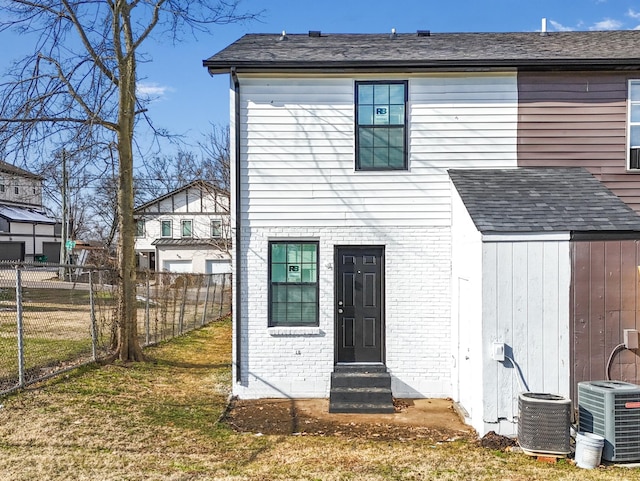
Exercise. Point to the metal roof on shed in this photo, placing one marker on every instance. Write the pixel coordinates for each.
(17, 214)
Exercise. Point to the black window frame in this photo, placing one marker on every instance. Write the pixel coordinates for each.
(272, 322)
(141, 227)
(405, 156)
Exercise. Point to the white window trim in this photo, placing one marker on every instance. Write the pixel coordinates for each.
(182, 228)
(630, 124)
(170, 228)
(221, 228)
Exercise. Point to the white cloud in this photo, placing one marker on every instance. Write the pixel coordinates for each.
(152, 90)
(558, 27)
(633, 14)
(606, 24)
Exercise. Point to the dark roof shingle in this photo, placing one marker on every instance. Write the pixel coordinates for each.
(541, 200)
(443, 50)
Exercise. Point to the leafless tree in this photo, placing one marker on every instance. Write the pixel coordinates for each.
(78, 87)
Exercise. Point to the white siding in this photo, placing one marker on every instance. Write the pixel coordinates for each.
(526, 306)
(297, 362)
(297, 148)
(298, 182)
(466, 313)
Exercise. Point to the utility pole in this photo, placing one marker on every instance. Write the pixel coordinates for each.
(65, 215)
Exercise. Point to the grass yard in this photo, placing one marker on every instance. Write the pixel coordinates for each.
(158, 420)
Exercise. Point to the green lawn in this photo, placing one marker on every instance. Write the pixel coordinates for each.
(158, 420)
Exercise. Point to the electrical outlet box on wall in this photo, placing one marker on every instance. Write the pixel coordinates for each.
(630, 338)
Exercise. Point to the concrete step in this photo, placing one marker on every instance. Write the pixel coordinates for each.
(366, 395)
(360, 379)
(361, 408)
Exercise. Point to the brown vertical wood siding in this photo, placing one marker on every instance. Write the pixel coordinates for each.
(604, 302)
(578, 119)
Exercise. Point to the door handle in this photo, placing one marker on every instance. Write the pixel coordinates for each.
(340, 311)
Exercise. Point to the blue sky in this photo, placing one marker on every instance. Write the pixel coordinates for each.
(188, 99)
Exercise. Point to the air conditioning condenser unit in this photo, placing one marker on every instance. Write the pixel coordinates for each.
(611, 409)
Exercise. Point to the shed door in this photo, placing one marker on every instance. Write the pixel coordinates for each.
(359, 304)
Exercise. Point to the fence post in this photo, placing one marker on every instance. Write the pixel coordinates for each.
(20, 327)
(182, 306)
(94, 330)
(146, 313)
(224, 282)
(206, 300)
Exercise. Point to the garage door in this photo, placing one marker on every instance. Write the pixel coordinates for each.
(52, 251)
(11, 251)
(177, 266)
(218, 266)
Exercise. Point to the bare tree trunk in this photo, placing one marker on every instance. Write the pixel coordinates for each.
(128, 344)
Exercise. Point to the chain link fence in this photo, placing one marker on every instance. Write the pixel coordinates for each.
(55, 318)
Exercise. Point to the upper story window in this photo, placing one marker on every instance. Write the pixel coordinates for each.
(381, 140)
(166, 228)
(216, 228)
(140, 228)
(633, 138)
(1, 187)
(16, 189)
(187, 228)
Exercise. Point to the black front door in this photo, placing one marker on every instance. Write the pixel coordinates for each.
(359, 304)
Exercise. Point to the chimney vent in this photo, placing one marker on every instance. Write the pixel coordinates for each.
(424, 33)
(543, 30)
(283, 36)
(393, 33)
(315, 33)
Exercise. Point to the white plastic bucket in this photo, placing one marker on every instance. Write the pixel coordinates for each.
(588, 450)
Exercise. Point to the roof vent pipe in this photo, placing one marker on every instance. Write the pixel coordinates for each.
(315, 33)
(543, 30)
(393, 33)
(424, 33)
(283, 36)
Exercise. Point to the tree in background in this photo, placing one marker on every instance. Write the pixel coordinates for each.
(78, 88)
(163, 174)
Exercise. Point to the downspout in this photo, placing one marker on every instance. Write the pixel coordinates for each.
(238, 211)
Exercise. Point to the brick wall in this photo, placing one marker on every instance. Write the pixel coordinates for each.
(297, 362)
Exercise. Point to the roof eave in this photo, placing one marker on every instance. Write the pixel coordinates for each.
(221, 67)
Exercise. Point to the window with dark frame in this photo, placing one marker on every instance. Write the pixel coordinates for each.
(293, 283)
(216, 228)
(140, 228)
(166, 228)
(381, 140)
(634, 125)
(187, 228)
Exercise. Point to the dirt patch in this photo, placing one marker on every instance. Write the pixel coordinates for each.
(432, 419)
(495, 441)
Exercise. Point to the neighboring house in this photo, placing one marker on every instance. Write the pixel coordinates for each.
(186, 230)
(352, 202)
(26, 232)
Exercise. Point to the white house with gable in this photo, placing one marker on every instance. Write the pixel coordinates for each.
(342, 212)
(186, 230)
(27, 233)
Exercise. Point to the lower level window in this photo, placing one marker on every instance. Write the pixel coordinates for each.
(293, 283)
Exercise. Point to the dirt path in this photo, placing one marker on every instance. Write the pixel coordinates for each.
(432, 419)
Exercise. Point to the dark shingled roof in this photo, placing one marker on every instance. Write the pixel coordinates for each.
(541, 200)
(604, 49)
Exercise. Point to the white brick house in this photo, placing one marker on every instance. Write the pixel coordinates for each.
(27, 233)
(342, 209)
(186, 230)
